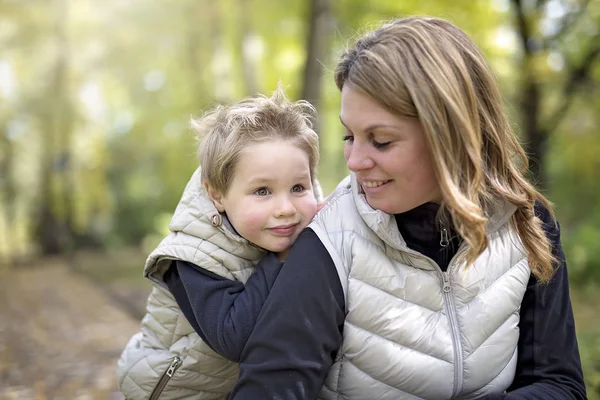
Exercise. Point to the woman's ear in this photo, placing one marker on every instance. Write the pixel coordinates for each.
(215, 196)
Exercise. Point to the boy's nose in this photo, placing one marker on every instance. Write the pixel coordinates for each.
(285, 207)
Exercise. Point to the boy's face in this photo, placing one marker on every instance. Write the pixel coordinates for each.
(271, 198)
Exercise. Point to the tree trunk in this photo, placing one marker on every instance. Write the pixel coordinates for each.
(248, 63)
(195, 21)
(7, 186)
(317, 52)
(534, 136)
(55, 227)
(221, 63)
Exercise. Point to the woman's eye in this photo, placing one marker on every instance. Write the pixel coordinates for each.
(261, 192)
(379, 145)
(348, 138)
(298, 189)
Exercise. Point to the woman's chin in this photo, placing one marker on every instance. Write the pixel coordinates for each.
(387, 207)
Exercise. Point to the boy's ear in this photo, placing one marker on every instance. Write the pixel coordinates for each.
(215, 196)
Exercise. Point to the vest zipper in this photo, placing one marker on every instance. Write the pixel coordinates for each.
(450, 308)
(444, 237)
(455, 332)
(165, 378)
(444, 243)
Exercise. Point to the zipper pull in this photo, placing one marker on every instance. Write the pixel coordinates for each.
(446, 288)
(444, 239)
(173, 367)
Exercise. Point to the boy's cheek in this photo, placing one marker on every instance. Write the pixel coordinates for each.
(310, 209)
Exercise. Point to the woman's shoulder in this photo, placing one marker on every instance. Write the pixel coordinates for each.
(342, 188)
(340, 198)
(550, 225)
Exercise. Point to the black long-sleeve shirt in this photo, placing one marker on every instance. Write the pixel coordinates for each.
(299, 327)
(548, 364)
(222, 311)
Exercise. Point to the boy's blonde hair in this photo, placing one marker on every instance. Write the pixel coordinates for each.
(227, 130)
(427, 68)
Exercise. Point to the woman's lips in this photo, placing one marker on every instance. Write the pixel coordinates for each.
(372, 186)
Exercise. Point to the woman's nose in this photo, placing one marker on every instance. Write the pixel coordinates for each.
(357, 159)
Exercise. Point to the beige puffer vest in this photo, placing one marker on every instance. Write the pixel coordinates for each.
(167, 359)
(411, 330)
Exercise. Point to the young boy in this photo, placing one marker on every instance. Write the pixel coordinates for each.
(236, 220)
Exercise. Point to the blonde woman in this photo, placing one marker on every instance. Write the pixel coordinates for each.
(451, 282)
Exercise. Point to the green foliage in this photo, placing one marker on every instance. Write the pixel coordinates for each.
(136, 72)
(574, 164)
(581, 247)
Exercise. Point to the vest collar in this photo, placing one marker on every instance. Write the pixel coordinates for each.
(385, 226)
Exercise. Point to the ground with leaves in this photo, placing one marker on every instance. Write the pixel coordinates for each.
(61, 334)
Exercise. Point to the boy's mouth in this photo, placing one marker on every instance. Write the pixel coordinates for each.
(284, 230)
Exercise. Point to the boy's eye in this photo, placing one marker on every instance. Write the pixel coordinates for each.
(348, 138)
(297, 189)
(262, 192)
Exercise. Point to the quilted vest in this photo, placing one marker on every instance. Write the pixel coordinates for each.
(411, 330)
(167, 359)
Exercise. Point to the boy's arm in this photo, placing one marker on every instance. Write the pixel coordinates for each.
(222, 311)
(299, 331)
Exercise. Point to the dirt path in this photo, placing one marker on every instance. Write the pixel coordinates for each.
(60, 335)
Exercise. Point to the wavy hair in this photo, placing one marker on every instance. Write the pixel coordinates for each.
(427, 68)
(227, 130)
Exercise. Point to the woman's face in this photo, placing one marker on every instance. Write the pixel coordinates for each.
(388, 153)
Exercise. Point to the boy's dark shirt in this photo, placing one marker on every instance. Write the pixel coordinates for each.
(222, 311)
(290, 350)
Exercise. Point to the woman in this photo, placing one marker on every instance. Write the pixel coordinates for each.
(435, 271)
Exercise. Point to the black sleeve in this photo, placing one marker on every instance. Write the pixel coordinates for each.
(548, 364)
(299, 329)
(222, 311)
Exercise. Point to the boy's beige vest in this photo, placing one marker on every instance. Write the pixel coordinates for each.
(411, 331)
(197, 236)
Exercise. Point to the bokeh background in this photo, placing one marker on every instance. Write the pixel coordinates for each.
(95, 146)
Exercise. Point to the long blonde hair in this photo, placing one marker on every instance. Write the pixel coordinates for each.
(428, 68)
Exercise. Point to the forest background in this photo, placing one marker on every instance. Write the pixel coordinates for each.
(96, 98)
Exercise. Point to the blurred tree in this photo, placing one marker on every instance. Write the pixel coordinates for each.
(318, 43)
(55, 225)
(195, 59)
(8, 190)
(543, 28)
(245, 48)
